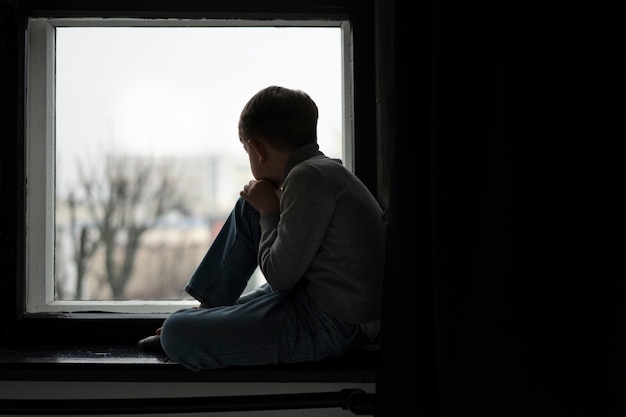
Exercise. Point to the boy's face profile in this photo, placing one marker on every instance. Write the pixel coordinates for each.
(253, 158)
(266, 163)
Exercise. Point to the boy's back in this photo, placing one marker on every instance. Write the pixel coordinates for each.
(332, 230)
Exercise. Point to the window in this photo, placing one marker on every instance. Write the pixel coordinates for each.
(32, 169)
(132, 156)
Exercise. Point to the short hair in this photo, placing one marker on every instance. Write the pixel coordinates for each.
(285, 118)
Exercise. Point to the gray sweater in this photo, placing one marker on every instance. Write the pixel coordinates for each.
(330, 233)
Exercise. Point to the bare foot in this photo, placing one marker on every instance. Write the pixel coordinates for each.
(151, 343)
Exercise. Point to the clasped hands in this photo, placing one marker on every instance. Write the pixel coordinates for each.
(262, 195)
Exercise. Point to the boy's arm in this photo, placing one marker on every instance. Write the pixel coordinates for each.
(290, 241)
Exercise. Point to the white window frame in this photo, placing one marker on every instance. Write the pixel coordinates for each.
(40, 151)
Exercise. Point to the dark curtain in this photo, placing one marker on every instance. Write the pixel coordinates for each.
(505, 292)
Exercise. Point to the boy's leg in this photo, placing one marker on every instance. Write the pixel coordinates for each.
(227, 266)
(258, 291)
(278, 327)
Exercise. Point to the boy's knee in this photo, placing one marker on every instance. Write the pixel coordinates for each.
(172, 335)
(180, 341)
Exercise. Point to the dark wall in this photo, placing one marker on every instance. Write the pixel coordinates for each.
(11, 160)
(505, 286)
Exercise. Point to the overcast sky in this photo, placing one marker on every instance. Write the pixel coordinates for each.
(179, 91)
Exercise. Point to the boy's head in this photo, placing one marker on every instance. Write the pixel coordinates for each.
(284, 118)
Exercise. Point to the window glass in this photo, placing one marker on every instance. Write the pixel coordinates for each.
(147, 159)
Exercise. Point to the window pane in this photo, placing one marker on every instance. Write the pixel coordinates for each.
(148, 160)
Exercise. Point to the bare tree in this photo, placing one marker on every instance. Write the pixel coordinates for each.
(124, 202)
(85, 244)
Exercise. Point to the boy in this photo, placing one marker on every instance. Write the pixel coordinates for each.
(318, 236)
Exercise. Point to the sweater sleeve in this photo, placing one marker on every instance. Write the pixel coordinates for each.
(291, 239)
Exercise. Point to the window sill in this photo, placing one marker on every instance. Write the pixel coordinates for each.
(129, 363)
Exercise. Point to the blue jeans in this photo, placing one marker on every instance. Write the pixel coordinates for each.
(258, 328)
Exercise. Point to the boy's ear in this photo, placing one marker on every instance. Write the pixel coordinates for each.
(259, 148)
